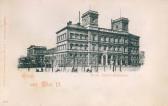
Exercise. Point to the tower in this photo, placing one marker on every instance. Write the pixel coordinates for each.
(90, 18)
(120, 24)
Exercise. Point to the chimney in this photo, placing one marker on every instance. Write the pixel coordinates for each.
(69, 22)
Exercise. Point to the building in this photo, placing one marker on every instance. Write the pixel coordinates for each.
(50, 58)
(23, 62)
(36, 55)
(141, 57)
(87, 44)
(34, 58)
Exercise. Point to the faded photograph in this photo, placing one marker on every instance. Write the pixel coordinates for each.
(83, 53)
(84, 46)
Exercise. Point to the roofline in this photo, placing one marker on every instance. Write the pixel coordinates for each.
(61, 29)
(34, 46)
(121, 18)
(113, 32)
(89, 11)
(134, 35)
(68, 27)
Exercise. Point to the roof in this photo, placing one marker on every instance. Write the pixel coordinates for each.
(121, 19)
(133, 35)
(76, 26)
(34, 46)
(52, 50)
(89, 12)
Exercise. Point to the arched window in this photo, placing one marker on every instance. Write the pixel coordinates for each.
(81, 47)
(86, 46)
(71, 46)
(107, 39)
(111, 40)
(76, 46)
(116, 40)
(105, 47)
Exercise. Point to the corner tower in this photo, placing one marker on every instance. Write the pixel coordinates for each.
(120, 24)
(90, 18)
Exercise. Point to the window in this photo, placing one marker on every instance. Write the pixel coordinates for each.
(111, 40)
(81, 36)
(72, 35)
(104, 39)
(112, 48)
(121, 40)
(116, 40)
(86, 47)
(65, 35)
(125, 41)
(71, 46)
(77, 36)
(116, 26)
(93, 37)
(76, 46)
(120, 49)
(93, 48)
(107, 39)
(80, 46)
(126, 49)
(104, 47)
(86, 37)
(109, 48)
(116, 49)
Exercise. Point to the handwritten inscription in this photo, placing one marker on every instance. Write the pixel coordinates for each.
(27, 75)
(45, 84)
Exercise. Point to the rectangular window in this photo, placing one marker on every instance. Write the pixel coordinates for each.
(112, 40)
(107, 39)
(65, 35)
(71, 35)
(86, 37)
(104, 39)
(77, 36)
(81, 36)
(104, 47)
(116, 40)
(126, 41)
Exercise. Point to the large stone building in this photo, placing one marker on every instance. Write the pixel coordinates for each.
(34, 58)
(86, 44)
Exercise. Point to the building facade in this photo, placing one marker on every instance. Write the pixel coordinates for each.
(86, 44)
(34, 58)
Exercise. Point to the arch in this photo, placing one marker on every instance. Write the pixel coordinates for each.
(71, 46)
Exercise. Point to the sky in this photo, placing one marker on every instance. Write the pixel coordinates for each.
(36, 21)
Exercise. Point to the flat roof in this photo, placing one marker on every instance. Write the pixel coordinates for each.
(89, 12)
(34, 46)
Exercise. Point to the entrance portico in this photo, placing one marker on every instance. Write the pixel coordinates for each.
(106, 59)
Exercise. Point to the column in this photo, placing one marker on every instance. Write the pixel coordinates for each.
(106, 60)
(89, 48)
(101, 59)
